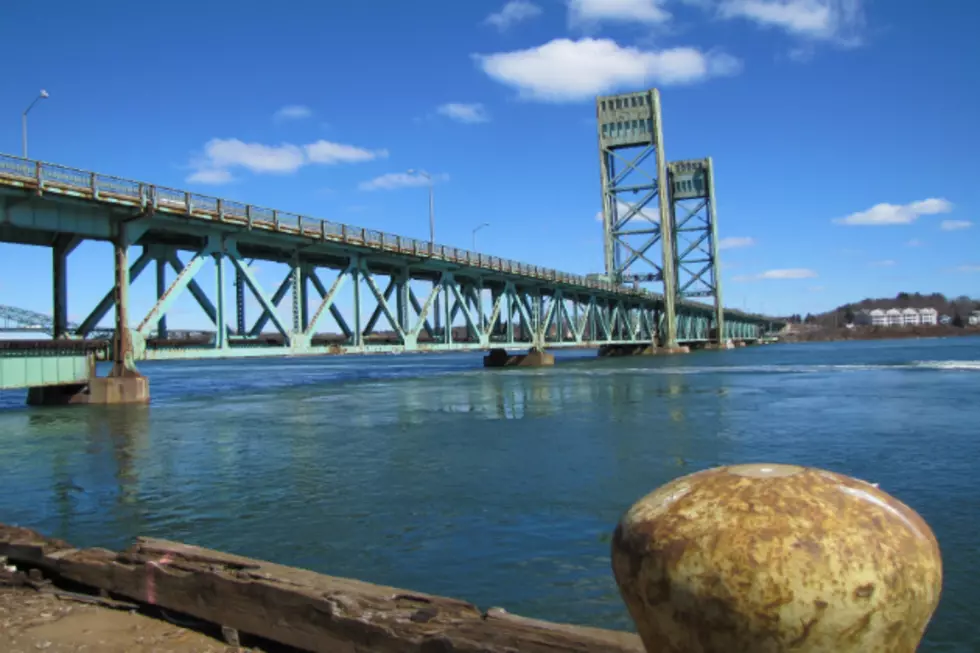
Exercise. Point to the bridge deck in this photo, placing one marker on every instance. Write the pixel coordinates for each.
(157, 201)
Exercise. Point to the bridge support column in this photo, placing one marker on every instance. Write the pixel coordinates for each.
(124, 384)
(534, 358)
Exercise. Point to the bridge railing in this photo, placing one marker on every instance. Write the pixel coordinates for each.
(17, 171)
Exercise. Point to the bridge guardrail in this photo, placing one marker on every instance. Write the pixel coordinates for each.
(18, 171)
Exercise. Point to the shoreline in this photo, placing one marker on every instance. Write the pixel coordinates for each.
(256, 603)
(804, 333)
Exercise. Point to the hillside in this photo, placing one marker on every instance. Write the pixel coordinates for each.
(842, 315)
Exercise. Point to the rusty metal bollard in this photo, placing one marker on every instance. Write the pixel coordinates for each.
(769, 558)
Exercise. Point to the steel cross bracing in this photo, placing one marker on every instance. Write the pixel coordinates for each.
(636, 224)
(491, 302)
(694, 225)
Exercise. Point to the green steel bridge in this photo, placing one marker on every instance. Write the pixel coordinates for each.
(395, 283)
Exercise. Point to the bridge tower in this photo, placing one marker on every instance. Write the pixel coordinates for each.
(695, 230)
(635, 202)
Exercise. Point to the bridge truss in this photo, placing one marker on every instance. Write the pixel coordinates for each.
(393, 281)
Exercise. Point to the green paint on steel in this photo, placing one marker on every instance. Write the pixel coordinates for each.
(25, 371)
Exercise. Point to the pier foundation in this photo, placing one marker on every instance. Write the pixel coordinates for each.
(103, 390)
(641, 350)
(534, 358)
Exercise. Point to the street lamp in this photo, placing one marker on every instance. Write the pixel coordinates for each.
(432, 218)
(23, 119)
(432, 234)
(476, 229)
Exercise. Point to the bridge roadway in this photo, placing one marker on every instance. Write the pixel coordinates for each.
(490, 302)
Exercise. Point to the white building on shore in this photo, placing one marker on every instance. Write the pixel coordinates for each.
(901, 317)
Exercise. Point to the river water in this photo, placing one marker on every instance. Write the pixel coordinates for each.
(498, 486)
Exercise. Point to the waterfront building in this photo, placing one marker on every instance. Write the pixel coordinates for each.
(878, 317)
(893, 317)
(928, 316)
(910, 317)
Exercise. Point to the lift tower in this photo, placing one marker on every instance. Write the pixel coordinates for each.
(639, 246)
(694, 225)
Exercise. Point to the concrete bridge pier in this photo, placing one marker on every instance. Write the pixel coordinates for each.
(533, 358)
(124, 384)
(641, 350)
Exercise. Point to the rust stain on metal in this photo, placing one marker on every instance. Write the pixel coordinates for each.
(776, 558)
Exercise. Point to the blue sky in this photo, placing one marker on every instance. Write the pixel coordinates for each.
(843, 131)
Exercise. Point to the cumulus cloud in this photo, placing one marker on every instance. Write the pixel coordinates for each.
(886, 214)
(786, 273)
(954, 225)
(466, 113)
(839, 21)
(221, 155)
(733, 242)
(634, 11)
(293, 112)
(395, 180)
(563, 70)
(329, 153)
(512, 13)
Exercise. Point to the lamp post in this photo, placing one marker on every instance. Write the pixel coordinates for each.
(432, 207)
(432, 232)
(23, 119)
(476, 229)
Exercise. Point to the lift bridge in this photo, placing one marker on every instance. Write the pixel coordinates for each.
(659, 225)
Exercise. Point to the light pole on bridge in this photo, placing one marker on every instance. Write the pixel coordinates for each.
(476, 229)
(23, 118)
(432, 231)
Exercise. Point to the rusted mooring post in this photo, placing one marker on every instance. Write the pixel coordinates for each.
(767, 558)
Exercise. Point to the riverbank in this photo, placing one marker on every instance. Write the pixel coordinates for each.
(244, 602)
(808, 333)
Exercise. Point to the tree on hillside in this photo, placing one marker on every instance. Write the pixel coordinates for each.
(957, 320)
(902, 297)
(848, 315)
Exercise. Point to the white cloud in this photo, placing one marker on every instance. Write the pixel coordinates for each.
(953, 225)
(212, 176)
(733, 242)
(915, 242)
(394, 180)
(840, 21)
(968, 268)
(331, 153)
(887, 263)
(563, 70)
(293, 112)
(647, 213)
(223, 154)
(465, 113)
(636, 11)
(882, 214)
(515, 11)
(787, 273)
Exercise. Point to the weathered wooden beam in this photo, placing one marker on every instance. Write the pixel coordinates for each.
(300, 608)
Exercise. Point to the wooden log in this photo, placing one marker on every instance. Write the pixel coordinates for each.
(301, 608)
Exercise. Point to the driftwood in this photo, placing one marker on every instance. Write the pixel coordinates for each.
(300, 608)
